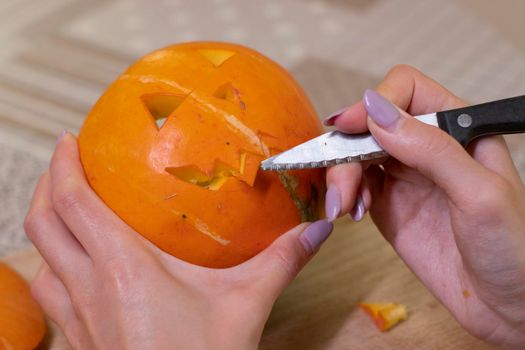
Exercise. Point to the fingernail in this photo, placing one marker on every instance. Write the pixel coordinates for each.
(315, 234)
(332, 203)
(382, 111)
(329, 121)
(61, 136)
(358, 211)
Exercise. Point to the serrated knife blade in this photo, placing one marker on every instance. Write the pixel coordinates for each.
(332, 148)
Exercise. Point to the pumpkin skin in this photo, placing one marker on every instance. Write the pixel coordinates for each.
(192, 185)
(22, 324)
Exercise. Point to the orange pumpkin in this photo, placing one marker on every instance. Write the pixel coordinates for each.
(174, 146)
(22, 323)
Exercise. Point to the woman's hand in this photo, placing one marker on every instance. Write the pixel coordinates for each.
(107, 287)
(456, 217)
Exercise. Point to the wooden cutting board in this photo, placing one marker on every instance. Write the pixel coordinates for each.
(318, 310)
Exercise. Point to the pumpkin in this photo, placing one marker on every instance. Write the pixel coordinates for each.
(22, 324)
(175, 143)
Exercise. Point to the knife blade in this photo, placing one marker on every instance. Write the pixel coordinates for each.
(464, 124)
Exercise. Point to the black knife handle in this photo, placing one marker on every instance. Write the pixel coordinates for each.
(498, 117)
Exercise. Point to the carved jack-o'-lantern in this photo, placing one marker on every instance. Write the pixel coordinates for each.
(174, 147)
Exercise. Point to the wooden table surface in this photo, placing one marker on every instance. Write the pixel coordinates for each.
(319, 309)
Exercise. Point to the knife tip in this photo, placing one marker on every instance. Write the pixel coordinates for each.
(266, 165)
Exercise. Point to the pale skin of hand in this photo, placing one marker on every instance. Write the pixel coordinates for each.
(456, 217)
(108, 288)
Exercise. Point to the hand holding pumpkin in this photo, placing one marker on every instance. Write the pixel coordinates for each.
(456, 219)
(107, 287)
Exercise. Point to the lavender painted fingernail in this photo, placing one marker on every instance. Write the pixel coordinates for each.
(358, 212)
(61, 136)
(382, 111)
(329, 121)
(315, 234)
(332, 203)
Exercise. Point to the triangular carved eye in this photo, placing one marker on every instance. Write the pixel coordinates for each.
(216, 57)
(162, 105)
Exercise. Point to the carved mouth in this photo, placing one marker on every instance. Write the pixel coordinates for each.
(213, 181)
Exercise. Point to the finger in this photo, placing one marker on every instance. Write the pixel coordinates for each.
(352, 120)
(51, 294)
(276, 266)
(375, 178)
(416, 93)
(343, 184)
(426, 148)
(492, 152)
(51, 237)
(53, 297)
(362, 202)
(411, 90)
(95, 226)
(407, 88)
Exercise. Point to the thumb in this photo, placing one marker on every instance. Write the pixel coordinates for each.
(424, 147)
(276, 266)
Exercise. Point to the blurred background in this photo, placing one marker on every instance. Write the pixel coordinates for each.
(58, 56)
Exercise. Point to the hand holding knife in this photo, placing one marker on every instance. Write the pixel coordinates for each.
(449, 229)
(505, 116)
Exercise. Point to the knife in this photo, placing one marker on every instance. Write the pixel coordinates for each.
(464, 124)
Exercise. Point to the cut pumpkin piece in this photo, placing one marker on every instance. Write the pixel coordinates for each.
(385, 315)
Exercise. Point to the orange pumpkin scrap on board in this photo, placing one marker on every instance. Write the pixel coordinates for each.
(22, 324)
(174, 146)
(385, 315)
